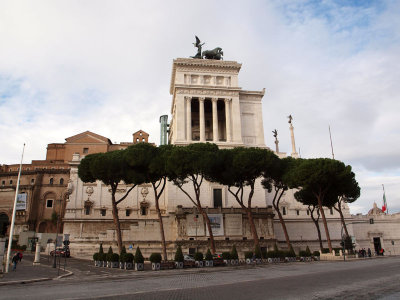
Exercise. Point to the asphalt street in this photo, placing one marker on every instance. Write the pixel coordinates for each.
(361, 279)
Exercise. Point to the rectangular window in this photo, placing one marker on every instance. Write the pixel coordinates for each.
(49, 203)
(331, 210)
(217, 197)
(102, 212)
(308, 212)
(297, 212)
(85, 150)
(284, 211)
(143, 210)
(371, 221)
(87, 210)
(128, 212)
(3, 183)
(11, 182)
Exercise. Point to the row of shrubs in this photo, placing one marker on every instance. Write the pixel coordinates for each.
(123, 257)
(198, 256)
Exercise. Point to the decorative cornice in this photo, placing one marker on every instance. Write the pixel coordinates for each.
(207, 92)
(202, 65)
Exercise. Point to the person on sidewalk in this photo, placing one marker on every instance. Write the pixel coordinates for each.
(20, 256)
(15, 261)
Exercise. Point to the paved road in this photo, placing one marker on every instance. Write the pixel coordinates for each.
(366, 279)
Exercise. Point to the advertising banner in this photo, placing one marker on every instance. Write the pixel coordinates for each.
(21, 202)
(217, 224)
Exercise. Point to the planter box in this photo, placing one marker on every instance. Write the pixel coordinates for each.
(290, 259)
(128, 266)
(167, 265)
(139, 266)
(199, 263)
(156, 266)
(122, 265)
(114, 264)
(179, 264)
(189, 264)
(209, 263)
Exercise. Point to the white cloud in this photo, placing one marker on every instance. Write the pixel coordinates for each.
(105, 66)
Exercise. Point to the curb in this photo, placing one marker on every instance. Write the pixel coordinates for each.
(70, 273)
(24, 281)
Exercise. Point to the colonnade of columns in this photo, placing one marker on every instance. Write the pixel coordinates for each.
(214, 119)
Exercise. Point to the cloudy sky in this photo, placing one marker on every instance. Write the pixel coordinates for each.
(105, 66)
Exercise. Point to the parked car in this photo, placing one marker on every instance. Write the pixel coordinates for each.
(188, 257)
(218, 261)
(60, 252)
(188, 261)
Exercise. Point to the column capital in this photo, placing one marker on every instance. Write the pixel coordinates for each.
(201, 99)
(188, 98)
(214, 99)
(228, 99)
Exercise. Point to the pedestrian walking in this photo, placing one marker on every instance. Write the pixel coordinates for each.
(20, 256)
(15, 261)
(369, 252)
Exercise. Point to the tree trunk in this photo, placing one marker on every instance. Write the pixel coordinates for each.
(328, 238)
(339, 210)
(252, 227)
(208, 223)
(283, 226)
(164, 246)
(116, 220)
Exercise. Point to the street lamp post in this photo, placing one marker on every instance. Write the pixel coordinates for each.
(55, 243)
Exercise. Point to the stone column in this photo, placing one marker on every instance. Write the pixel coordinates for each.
(215, 119)
(188, 118)
(228, 119)
(294, 153)
(202, 120)
(36, 262)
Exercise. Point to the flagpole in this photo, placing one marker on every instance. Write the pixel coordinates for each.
(13, 216)
(384, 199)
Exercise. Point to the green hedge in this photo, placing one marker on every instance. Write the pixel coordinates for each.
(139, 259)
(155, 257)
(234, 254)
(115, 257)
(209, 255)
(198, 256)
(248, 254)
(129, 258)
(226, 255)
(179, 254)
(96, 256)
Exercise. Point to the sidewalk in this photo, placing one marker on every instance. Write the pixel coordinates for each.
(26, 272)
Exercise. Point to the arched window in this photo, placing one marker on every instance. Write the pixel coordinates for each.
(62, 181)
(51, 180)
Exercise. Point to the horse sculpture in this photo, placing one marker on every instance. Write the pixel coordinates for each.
(213, 54)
